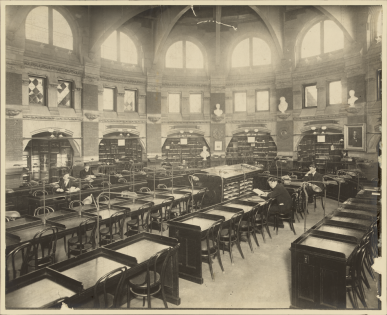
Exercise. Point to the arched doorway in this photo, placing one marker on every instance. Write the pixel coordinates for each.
(47, 156)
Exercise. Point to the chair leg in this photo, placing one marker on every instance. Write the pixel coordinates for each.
(267, 228)
(163, 296)
(249, 241)
(238, 244)
(297, 216)
(210, 265)
(255, 237)
(314, 201)
(219, 259)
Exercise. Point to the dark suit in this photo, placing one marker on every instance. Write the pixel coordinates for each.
(83, 173)
(70, 184)
(355, 142)
(284, 201)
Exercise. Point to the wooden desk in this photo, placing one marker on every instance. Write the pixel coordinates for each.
(319, 260)
(89, 267)
(40, 289)
(143, 246)
(189, 229)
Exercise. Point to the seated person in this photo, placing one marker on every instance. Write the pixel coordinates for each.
(66, 183)
(284, 200)
(313, 176)
(86, 171)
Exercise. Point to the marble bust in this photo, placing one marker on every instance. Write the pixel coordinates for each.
(283, 105)
(352, 98)
(218, 112)
(205, 154)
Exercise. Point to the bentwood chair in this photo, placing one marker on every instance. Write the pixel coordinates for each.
(85, 238)
(115, 228)
(162, 186)
(230, 235)
(144, 189)
(122, 180)
(152, 281)
(23, 263)
(262, 222)
(75, 203)
(163, 215)
(134, 224)
(247, 227)
(288, 216)
(108, 290)
(86, 186)
(37, 193)
(210, 246)
(42, 210)
(42, 253)
(105, 184)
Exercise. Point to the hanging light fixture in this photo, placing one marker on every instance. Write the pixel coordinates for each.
(314, 130)
(120, 130)
(323, 128)
(256, 130)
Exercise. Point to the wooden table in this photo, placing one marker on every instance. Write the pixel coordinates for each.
(143, 246)
(40, 289)
(189, 229)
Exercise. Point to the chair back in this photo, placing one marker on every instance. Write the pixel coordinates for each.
(104, 283)
(105, 183)
(116, 224)
(268, 206)
(24, 249)
(39, 193)
(199, 197)
(235, 221)
(162, 186)
(167, 205)
(84, 227)
(144, 189)
(103, 198)
(122, 180)
(75, 203)
(87, 186)
(42, 210)
(213, 233)
(148, 207)
(44, 247)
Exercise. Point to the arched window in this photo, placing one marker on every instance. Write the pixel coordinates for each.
(48, 26)
(184, 54)
(323, 37)
(251, 51)
(119, 47)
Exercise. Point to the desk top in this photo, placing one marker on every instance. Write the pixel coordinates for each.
(90, 271)
(142, 250)
(71, 222)
(112, 201)
(37, 294)
(369, 213)
(87, 207)
(341, 230)
(351, 220)
(203, 223)
(226, 214)
(156, 200)
(188, 190)
(245, 208)
(26, 234)
(104, 213)
(331, 245)
(176, 196)
(255, 199)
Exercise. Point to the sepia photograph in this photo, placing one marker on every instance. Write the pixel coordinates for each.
(192, 157)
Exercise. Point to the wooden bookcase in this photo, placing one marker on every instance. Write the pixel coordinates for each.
(110, 151)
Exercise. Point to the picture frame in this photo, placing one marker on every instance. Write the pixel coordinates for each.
(218, 145)
(355, 137)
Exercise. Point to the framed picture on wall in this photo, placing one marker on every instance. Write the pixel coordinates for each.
(218, 145)
(355, 137)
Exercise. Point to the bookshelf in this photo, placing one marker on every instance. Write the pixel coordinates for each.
(114, 150)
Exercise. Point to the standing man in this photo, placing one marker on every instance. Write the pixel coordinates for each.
(86, 171)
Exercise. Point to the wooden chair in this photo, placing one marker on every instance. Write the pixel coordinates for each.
(230, 236)
(75, 203)
(163, 215)
(162, 186)
(43, 249)
(86, 186)
(37, 193)
(247, 227)
(83, 242)
(104, 198)
(288, 216)
(151, 282)
(24, 250)
(115, 228)
(144, 189)
(262, 222)
(210, 246)
(122, 180)
(42, 210)
(134, 224)
(105, 183)
(107, 300)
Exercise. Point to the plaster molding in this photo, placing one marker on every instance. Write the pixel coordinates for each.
(12, 112)
(127, 80)
(122, 121)
(44, 66)
(37, 117)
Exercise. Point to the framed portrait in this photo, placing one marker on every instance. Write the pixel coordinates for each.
(218, 145)
(355, 137)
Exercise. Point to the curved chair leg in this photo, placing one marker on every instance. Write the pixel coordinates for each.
(255, 237)
(249, 241)
(314, 202)
(219, 259)
(238, 244)
(210, 265)
(267, 228)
